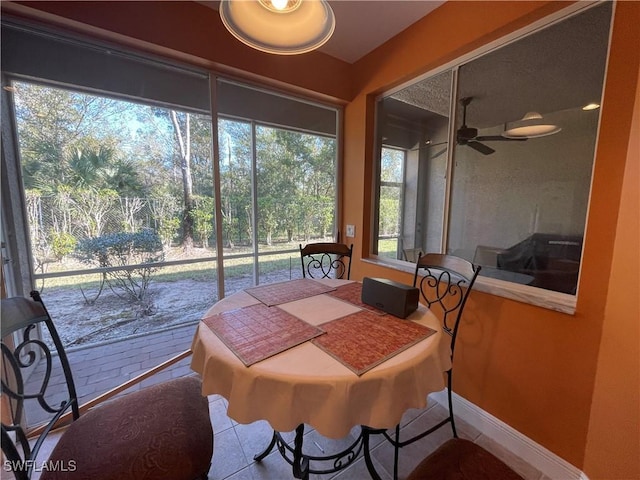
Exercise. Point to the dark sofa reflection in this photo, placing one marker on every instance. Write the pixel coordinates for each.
(552, 260)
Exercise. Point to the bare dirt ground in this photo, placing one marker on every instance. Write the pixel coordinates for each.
(112, 317)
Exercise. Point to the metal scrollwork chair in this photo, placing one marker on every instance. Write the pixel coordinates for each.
(445, 281)
(326, 260)
(160, 432)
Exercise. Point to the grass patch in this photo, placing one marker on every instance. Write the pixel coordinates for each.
(206, 271)
(388, 247)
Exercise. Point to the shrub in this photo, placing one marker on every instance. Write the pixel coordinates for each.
(135, 252)
(62, 244)
(168, 229)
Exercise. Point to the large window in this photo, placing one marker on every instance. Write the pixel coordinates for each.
(278, 176)
(118, 194)
(473, 188)
(120, 206)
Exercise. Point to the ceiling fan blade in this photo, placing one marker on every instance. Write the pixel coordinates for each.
(430, 145)
(480, 147)
(499, 138)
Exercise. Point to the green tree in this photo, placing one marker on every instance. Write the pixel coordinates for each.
(235, 181)
(165, 215)
(52, 123)
(301, 172)
(182, 130)
(94, 165)
(203, 216)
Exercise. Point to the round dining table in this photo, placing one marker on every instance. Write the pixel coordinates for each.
(308, 385)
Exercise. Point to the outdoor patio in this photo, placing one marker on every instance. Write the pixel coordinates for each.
(99, 368)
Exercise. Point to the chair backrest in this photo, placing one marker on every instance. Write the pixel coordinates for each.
(446, 281)
(326, 260)
(21, 318)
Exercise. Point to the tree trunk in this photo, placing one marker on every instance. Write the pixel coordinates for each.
(184, 141)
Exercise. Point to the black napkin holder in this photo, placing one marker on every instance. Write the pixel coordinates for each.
(392, 297)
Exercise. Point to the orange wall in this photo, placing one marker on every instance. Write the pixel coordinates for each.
(531, 367)
(613, 442)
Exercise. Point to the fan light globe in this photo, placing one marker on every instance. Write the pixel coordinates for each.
(531, 126)
(282, 27)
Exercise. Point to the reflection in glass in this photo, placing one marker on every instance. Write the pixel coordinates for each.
(516, 206)
(391, 183)
(415, 120)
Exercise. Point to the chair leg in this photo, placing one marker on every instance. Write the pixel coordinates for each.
(396, 453)
(449, 397)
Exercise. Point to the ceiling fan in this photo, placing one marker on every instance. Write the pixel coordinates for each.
(469, 136)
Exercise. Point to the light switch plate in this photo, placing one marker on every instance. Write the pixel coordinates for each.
(351, 231)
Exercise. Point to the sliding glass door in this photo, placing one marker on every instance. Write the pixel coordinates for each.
(118, 204)
(277, 166)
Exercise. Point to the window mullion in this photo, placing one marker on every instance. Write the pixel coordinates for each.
(254, 200)
(453, 121)
(217, 189)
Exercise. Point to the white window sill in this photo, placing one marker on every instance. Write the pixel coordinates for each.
(560, 302)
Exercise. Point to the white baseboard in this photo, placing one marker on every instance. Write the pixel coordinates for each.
(547, 462)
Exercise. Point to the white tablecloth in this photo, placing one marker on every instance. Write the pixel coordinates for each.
(306, 385)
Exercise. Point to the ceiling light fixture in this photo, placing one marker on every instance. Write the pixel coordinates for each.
(531, 126)
(591, 106)
(282, 27)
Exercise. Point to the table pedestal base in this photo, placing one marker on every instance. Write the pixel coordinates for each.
(301, 463)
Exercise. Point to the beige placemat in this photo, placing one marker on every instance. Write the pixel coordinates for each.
(257, 332)
(284, 292)
(365, 339)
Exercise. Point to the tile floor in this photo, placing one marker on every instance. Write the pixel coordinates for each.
(101, 367)
(235, 445)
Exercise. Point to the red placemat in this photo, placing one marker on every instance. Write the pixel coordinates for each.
(365, 339)
(284, 292)
(258, 332)
(352, 293)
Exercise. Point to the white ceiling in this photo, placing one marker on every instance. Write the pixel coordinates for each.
(363, 25)
(555, 69)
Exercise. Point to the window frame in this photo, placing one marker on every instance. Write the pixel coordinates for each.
(553, 300)
(13, 192)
